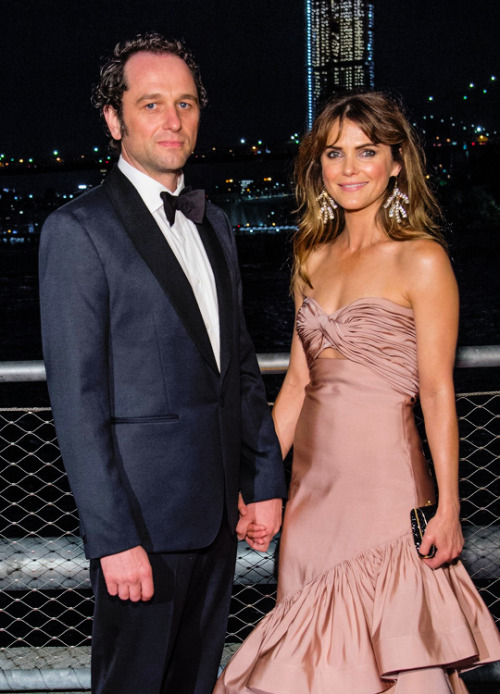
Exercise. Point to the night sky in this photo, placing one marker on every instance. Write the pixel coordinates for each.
(251, 53)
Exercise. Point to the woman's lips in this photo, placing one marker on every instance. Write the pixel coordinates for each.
(351, 186)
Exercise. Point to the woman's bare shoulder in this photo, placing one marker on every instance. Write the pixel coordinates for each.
(419, 255)
(425, 271)
(318, 254)
(315, 259)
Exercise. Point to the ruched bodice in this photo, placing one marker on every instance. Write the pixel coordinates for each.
(372, 331)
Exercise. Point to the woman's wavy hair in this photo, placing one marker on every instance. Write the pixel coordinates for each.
(383, 121)
(109, 90)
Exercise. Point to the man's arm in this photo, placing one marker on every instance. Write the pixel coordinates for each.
(74, 301)
(74, 298)
(262, 480)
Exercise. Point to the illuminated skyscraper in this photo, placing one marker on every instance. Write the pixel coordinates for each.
(339, 48)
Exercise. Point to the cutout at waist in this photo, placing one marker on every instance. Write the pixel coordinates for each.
(330, 353)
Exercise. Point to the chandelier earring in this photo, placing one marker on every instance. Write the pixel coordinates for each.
(327, 206)
(395, 203)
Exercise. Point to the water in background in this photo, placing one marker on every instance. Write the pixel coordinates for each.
(265, 267)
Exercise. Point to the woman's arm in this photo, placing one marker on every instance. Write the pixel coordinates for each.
(433, 294)
(291, 396)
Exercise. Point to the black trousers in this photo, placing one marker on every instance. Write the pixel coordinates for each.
(172, 644)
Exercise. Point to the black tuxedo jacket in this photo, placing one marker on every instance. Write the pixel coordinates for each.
(155, 440)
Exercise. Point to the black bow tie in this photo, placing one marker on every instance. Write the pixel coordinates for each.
(190, 202)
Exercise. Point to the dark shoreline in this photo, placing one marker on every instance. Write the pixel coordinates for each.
(265, 267)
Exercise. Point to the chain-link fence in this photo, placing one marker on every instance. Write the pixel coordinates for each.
(45, 597)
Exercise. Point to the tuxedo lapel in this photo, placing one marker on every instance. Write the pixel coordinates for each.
(220, 269)
(149, 241)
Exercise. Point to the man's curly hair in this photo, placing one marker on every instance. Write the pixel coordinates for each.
(110, 88)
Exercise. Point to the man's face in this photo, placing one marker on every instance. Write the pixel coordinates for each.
(160, 116)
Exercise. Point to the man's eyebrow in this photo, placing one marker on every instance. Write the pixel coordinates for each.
(155, 96)
(148, 97)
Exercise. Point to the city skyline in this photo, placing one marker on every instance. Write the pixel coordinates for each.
(253, 64)
(339, 51)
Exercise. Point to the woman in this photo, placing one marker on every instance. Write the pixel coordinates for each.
(359, 611)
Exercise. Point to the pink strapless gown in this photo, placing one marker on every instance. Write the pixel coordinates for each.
(355, 603)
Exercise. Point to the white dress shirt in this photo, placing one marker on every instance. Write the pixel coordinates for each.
(184, 240)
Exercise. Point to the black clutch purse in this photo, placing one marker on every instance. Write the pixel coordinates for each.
(419, 518)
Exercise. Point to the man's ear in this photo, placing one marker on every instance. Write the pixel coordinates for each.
(113, 122)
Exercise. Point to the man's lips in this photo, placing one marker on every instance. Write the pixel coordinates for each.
(174, 144)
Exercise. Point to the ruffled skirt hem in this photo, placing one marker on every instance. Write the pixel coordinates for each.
(354, 627)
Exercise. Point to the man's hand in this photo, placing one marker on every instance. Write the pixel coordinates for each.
(128, 574)
(259, 522)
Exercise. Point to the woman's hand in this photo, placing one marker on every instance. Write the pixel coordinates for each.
(259, 522)
(443, 531)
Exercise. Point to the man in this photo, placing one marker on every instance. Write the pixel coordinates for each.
(158, 402)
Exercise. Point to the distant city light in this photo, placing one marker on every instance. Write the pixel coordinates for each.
(431, 98)
(471, 85)
(55, 152)
(493, 78)
(242, 140)
(96, 149)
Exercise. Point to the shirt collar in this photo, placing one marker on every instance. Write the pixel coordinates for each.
(148, 188)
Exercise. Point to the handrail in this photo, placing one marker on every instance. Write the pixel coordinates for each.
(473, 357)
(11, 371)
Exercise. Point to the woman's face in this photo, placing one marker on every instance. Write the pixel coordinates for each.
(355, 170)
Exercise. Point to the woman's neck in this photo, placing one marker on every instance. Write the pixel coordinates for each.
(361, 229)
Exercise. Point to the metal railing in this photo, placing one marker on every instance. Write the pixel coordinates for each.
(45, 596)
(270, 363)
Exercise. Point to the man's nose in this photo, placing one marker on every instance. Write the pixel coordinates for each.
(171, 119)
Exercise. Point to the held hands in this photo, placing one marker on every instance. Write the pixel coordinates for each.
(445, 533)
(259, 522)
(128, 574)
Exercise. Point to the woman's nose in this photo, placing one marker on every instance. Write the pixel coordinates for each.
(350, 164)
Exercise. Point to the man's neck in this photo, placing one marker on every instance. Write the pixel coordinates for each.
(168, 179)
(173, 182)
